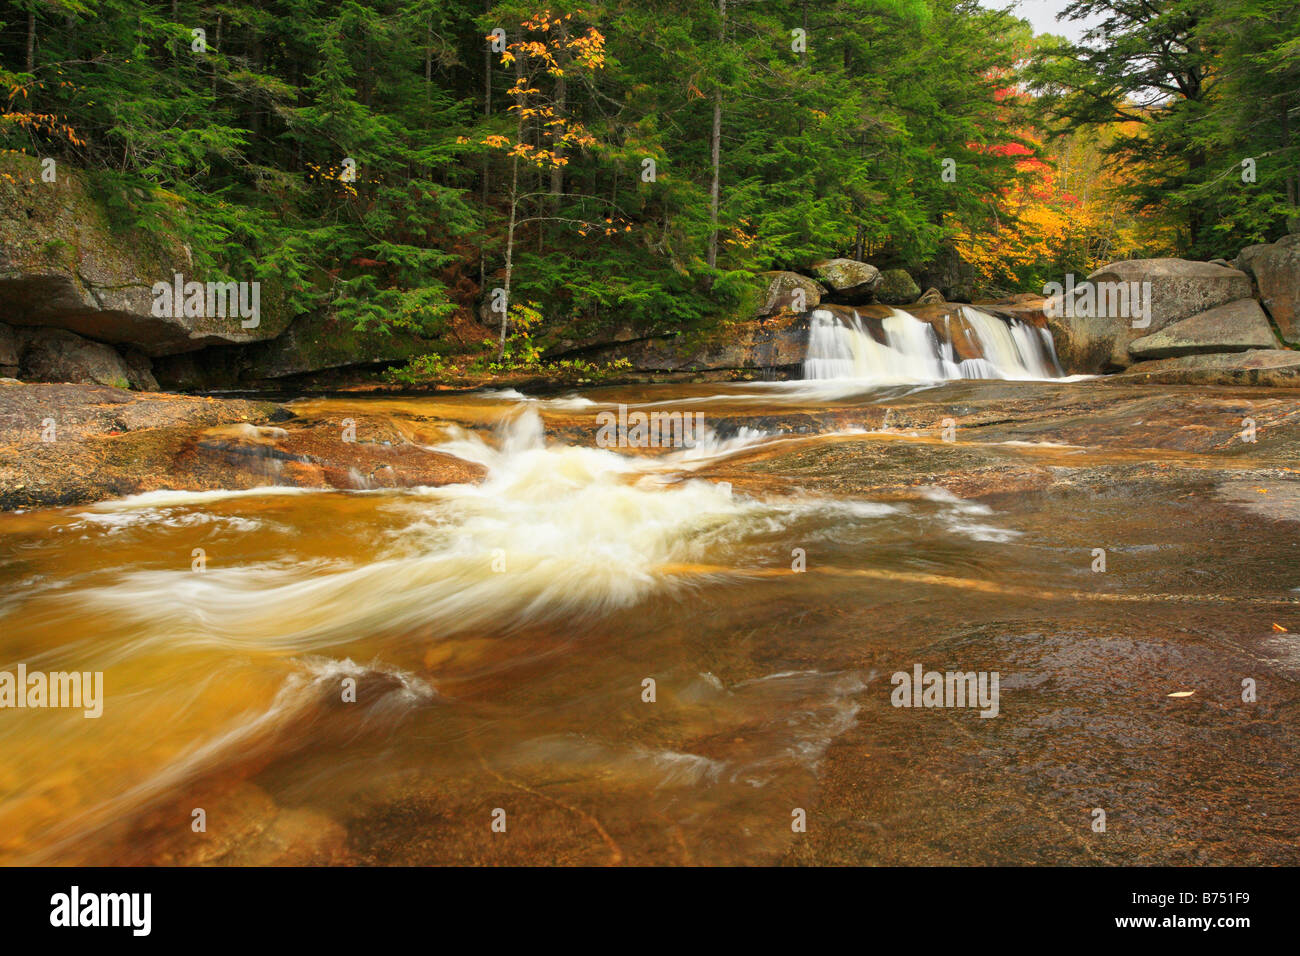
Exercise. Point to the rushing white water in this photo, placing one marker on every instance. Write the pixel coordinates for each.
(552, 530)
(912, 352)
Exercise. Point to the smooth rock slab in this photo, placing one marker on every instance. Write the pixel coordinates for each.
(1280, 367)
(1235, 327)
(1276, 270)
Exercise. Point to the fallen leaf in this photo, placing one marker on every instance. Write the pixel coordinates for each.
(1279, 627)
(1182, 693)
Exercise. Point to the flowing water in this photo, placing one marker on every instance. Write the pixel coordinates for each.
(667, 655)
(913, 352)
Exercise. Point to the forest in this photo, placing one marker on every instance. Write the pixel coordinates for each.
(414, 164)
(629, 433)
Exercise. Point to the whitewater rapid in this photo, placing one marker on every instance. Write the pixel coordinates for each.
(552, 531)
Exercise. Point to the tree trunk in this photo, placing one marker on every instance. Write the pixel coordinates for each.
(1195, 218)
(510, 251)
(31, 41)
(557, 171)
(214, 62)
(715, 186)
(487, 82)
(1292, 179)
(715, 149)
(514, 215)
(487, 168)
(367, 85)
(803, 54)
(171, 47)
(254, 103)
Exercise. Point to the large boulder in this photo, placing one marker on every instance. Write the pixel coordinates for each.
(1275, 268)
(847, 276)
(1235, 327)
(1125, 301)
(56, 355)
(8, 352)
(780, 292)
(140, 370)
(1279, 367)
(897, 288)
(64, 265)
(485, 314)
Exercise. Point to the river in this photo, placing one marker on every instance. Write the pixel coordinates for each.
(687, 655)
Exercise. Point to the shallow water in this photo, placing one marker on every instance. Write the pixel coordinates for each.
(769, 581)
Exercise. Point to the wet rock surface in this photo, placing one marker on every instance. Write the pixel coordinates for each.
(1168, 484)
(69, 444)
(1254, 367)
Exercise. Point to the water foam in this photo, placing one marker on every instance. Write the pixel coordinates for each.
(552, 531)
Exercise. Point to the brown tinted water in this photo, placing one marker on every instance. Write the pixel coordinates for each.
(769, 582)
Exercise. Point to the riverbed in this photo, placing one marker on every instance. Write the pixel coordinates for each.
(600, 652)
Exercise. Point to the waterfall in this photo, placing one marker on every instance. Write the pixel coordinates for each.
(912, 351)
